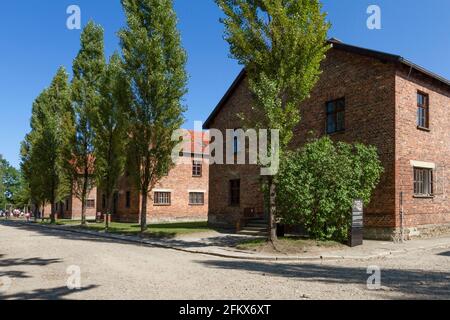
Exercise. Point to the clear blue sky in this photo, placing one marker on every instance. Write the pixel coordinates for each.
(35, 42)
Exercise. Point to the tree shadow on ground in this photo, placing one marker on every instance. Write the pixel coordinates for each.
(27, 262)
(411, 284)
(445, 254)
(61, 234)
(58, 293)
(14, 274)
(14, 262)
(225, 240)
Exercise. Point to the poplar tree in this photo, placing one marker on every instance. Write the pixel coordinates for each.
(31, 164)
(110, 123)
(155, 64)
(88, 68)
(281, 44)
(42, 149)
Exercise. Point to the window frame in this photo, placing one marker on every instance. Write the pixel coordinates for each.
(422, 182)
(128, 200)
(90, 201)
(426, 110)
(156, 198)
(235, 192)
(192, 203)
(197, 168)
(335, 115)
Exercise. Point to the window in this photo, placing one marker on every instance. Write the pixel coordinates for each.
(235, 144)
(422, 110)
(67, 205)
(104, 201)
(336, 116)
(162, 198)
(196, 198)
(423, 182)
(235, 192)
(128, 199)
(196, 168)
(90, 204)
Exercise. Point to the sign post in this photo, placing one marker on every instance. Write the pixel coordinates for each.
(357, 228)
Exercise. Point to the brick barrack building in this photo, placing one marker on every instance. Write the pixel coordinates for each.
(362, 96)
(181, 196)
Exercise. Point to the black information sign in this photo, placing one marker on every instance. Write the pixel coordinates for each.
(357, 228)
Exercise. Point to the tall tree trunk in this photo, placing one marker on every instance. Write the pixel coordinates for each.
(52, 213)
(272, 211)
(83, 211)
(144, 194)
(43, 211)
(108, 212)
(84, 196)
(35, 212)
(53, 206)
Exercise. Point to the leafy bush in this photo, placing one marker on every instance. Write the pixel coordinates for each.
(317, 184)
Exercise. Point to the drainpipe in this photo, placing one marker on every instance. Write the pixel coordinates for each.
(402, 219)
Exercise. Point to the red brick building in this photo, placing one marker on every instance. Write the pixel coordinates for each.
(181, 196)
(362, 96)
(70, 208)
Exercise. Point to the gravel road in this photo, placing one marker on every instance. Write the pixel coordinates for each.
(34, 264)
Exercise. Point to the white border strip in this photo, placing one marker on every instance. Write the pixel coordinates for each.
(422, 164)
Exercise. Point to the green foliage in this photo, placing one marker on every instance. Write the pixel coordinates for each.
(10, 184)
(317, 185)
(281, 43)
(155, 64)
(42, 148)
(110, 123)
(88, 68)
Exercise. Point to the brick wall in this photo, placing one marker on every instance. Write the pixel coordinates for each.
(431, 146)
(381, 110)
(179, 183)
(368, 86)
(221, 213)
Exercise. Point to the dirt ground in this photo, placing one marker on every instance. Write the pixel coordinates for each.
(37, 264)
(291, 246)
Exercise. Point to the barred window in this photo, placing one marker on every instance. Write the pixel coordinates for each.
(162, 198)
(196, 198)
(423, 182)
(422, 110)
(90, 204)
(196, 168)
(335, 116)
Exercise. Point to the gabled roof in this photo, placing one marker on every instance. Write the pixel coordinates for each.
(336, 44)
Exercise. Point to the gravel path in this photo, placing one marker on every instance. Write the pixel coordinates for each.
(34, 262)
